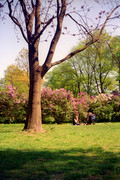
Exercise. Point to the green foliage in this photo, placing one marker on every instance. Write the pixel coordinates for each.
(16, 77)
(115, 103)
(107, 109)
(90, 71)
(104, 114)
(115, 51)
(49, 120)
(62, 76)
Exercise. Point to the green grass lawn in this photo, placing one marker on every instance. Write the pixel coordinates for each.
(63, 152)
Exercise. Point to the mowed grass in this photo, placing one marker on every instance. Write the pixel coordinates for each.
(63, 152)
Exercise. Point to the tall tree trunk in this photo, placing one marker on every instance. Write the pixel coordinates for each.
(34, 120)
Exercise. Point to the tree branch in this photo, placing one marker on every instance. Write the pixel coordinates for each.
(108, 18)
(113, 55)
(37, 17)
(60, 17)
(47, 12)
(80, 25)
(71, 54)
(87, 44)
(26, 14)
(15, 20)
(41, 32)
(32, 3)
(28, 19)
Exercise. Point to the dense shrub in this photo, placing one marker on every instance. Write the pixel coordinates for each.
(57, 104)
(81, 105)
(115, 103)
(106, 108)
(12, 106)
(62, 106)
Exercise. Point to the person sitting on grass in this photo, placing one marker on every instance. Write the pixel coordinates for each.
(76, 121)
(89, 121)
(90, 118)
(93, 118)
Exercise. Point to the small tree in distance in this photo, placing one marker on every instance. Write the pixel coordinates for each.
(16, 77)
(22, 60)
(36, 17)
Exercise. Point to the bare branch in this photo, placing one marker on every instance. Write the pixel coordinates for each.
(2, 5)
(32, 3)
(87, 44)
(108, 18)
(71, 54)
(47, 12)
(28, 18)
(58, 8)
(37, 17)
(41, 32)
(30, 22)
(15, 20)
(81, 26)
(115, 17)
(60, 17)
(26, 14)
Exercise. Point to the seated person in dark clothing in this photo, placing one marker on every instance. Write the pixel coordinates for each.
(76, 121)
(89, 119)
(93, 118)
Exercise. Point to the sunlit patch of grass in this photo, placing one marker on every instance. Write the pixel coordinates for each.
(61, 152)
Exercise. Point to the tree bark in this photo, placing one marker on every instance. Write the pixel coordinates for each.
(34, 120)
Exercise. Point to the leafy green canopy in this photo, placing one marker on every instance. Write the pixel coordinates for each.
(91, 70)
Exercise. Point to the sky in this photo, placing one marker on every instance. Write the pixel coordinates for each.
(10, 45)
(12, 42)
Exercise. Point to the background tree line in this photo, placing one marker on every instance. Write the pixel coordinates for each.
(95, 70)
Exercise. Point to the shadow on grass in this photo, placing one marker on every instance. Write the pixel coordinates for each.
(73, 164)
